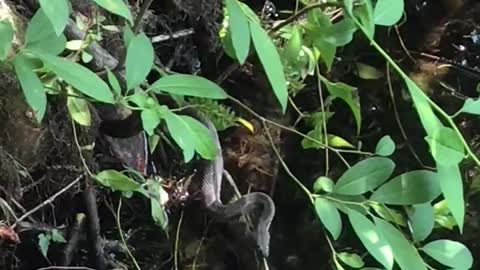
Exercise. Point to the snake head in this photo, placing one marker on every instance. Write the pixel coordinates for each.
(262, 240)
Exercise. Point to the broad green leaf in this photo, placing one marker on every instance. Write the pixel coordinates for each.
(365, 176)
(373, 241)
(404, 253)
(414, 187)
(364, 13)
(78, 109)
(41, 35)
(323, 183)
(449, 253)
(388, 12)
(293, 47)
(385, 147)
(239, 30)
(270, 59)
(421, 221)
(181, 134)
(340, 33)
(446, 147)
(150, 120)
(31, 85)
(429, 120)
(351, 259)
(349, 95)
(6, 38)
(57, 236)
(388, 214)
(44, 243)
(112, 79)
(327, 51)
(329, 216)
(452, 189)
(204, 143)
(139, 60)
(117, 181)
(471, 106)
(188, 85)
(117, 7)
(252, 17)
(128, 35)
(78, 76)
(348, 6)
(57, 12)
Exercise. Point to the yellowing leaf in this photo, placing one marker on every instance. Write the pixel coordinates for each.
(78, 109)
(246, 124)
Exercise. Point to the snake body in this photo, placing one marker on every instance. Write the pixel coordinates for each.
(211, 189)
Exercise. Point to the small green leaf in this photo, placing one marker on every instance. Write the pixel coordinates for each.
(139, 60)
(367, 72)
(117, 7)
(44, 243)
(373, 241)
(446, 146)
(239, 30)
(329, 216)
(78, 76)
(421, 221)
(323, 183)
(150, 120)
(385, 147)
(388, 12)
(188, 85)
(57, 236)
(293, 47)
(181, 134)
(327, 51)
(338, 142)
(6, 38)
(112, 79)
(340, 33)
(158, 213)
(404, 253)
(204, 143)
(414, 187)
(349, 95)
(471, 106)
(365, 176)
(451, 185)
(270, 59)
(78, 109)
(86, 57)
(351, 259)
(31, 85)
(117, 181)
(364, 13)
(57, 12)
(449, 253)
(388, 214)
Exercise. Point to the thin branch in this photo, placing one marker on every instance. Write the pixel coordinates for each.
(138, 20)
(48, 201)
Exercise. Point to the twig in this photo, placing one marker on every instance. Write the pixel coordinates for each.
(66, 268)
(120, 231)
(48, 201)
(324, 119)
(175, 35)
(177, 240)
(143, 10)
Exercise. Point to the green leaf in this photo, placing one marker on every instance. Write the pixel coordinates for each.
(78, 109)
(117, 181)
(351, 259)
(446, 146)
(204, 143)
(452, 189)
(31, 85)
(57, 12)
(270, 59)
(139, 60)
(327, 51)
(57, 236)
(112, 79)
(385, 147)
(388, 214)
(471, 106)
(364, 13)
(414, 187)
(429, 120)
(117, 7)
(421, 221)
(329, 216)
(340, 33)
(388, 12)
(188, 85)
(239, 30)
(367, 72)
(323, 183)
(449, 253)
(293, 47)
(404, 253)
(6, 39)
(78, 76)
(349, 95)
(41, 35)
(150, 120)
(44, 243)
(181, 134)
(158, 213)
(365, 176)
(373, 241)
